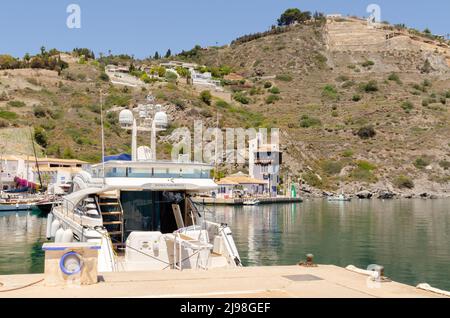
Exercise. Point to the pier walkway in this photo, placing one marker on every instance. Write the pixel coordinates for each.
(253, 282)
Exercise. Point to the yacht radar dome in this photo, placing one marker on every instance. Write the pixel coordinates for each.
(161, 120)
(126, 118)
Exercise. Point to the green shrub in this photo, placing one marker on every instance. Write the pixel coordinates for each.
(284, 77)
(306, 121)
(356, 98)
(7, 115)
(426, 83)
(179, 103)
(39, 111)
(274, 90)
(205, 96)
(68, 154)
(331, 167)
(104, 77)
(329, 91)
(241, 98)
(272, 99)
(171, 76)
(368, 63)
(395, 78)
(117, 100)
(407, 106)
(365, 165)
(366, 132)
(444, 164)
(403, 181)
(40, 136)
(369, 87)
(347, 153)
(16, 103)
(421, 162)
(267, 85)
(222, 104)
(362, 175)
(312, 179)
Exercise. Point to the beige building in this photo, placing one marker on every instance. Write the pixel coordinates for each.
(52, 170)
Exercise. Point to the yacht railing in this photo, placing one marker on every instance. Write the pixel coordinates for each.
(222, 230)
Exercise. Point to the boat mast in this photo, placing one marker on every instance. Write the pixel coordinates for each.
(35, 159)
(1, 168)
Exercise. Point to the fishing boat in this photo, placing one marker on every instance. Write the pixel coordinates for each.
(139, 210)
(340, 197)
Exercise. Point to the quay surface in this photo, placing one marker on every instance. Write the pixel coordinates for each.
(323, 281)
(238, 201)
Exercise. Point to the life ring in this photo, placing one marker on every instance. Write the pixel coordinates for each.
(70, 259)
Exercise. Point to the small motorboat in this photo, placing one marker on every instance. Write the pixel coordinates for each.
(340, 197)
(251, 202)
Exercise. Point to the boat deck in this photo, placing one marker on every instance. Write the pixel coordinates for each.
(254, 282)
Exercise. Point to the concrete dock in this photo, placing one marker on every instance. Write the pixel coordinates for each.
(323, 281)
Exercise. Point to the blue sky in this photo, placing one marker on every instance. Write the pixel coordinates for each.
(141, 27)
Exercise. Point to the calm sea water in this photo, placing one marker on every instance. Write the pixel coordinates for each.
(21, 237)
(410, 238)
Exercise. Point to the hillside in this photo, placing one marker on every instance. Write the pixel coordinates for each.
(358, 107)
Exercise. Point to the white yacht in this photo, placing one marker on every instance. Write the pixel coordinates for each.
(141, 214)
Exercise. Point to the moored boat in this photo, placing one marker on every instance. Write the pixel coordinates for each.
(15, 207)
(251, 202)
(139, 210)
(340, 197)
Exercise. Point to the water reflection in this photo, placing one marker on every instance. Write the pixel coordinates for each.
(21, 238)
(410, 238)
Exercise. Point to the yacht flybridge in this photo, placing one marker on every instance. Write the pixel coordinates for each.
(141, 214)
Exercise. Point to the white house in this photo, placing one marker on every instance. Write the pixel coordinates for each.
(204, 79)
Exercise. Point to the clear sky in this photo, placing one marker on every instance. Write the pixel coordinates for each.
(141, 27)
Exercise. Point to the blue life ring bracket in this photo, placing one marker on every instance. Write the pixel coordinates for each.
(63, 267)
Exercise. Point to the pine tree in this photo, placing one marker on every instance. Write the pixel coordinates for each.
(168, 53)
(156, 56)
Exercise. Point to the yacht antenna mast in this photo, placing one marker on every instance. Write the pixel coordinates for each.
(216, 149)
(103, 135)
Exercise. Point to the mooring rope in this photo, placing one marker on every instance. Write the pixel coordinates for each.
(21, 287)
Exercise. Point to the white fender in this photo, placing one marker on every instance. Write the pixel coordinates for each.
(48, 234)
(59, 235)
(55, 226)
(67, 236)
